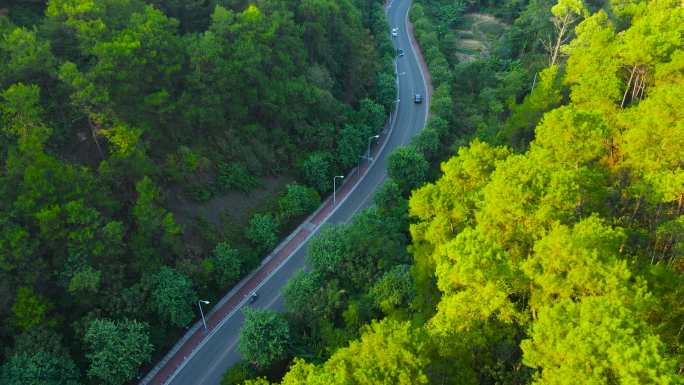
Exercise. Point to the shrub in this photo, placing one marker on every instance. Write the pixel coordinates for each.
(408, 168)
(316, 171)
(297, 201)
(263, 231)
(234, 176)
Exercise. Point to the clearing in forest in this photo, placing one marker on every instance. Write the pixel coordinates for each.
(476, 35)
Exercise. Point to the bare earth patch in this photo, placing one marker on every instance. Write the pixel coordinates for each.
(224, 216)
(477, 36)
(234, 205)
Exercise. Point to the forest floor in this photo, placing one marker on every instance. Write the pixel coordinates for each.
(476, 35)
(227, 214)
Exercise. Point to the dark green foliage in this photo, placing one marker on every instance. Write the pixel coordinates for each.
(173, 297)
(116, 350)
(316, 170)
(114, 113)
(558, 264)
(390, 201)
(264, 337)
(394, 289)
(39, 368)
(328, 304)
(234, 176)
(352, 144)
(427, 143)
(263, 231)
(297, 201)
(387, 91)
(408, 168)
(301, 292)
(238, 373)
(326, 251)
(226, 264)
(371, 114)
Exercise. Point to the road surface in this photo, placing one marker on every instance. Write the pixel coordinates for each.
(218, 351)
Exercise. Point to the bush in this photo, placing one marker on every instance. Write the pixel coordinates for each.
(386, 90)
(264, 338)
(238, 373)
(226, 264)
(371, 115)
(427, 143)
(234, 176)
(297, 201)
(316, 171)
(408, 168)
(352, 144)
(263, 232)
(173, 296)
(394, 290)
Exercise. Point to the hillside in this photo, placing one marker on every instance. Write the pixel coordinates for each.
(549, 248)
(153, 152)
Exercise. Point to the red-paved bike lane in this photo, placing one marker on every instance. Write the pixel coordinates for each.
(261, 274)
(229, 306)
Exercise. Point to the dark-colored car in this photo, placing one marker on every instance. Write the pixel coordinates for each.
(253, 297)
(418, 99)
(400, 52)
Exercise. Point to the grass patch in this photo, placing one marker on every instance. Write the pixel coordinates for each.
(467, 51)
(465, 35)
(476, 35)
(490, 28)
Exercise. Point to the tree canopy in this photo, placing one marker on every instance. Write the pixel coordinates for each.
(549, 249)
(152, 152)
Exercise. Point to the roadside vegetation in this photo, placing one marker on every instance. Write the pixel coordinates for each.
(547, 246)
(152, 152)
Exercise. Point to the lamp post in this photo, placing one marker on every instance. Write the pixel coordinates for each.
(335, 187)
(199, 303)
(369, 144)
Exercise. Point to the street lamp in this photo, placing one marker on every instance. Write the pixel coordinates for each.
(369, 144)
(199, 303)
(335, 187)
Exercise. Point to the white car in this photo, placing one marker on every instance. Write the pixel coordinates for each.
(395, 32)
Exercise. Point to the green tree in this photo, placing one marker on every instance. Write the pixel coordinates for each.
(297, 201)
(596, 340)
(26, 58)
(29, 309)
(525, 116)
(238, 374)
(394, 290)
(226, 264)
(408, 168)
(116, 349)
(372, 115)
(86, 280)
(39, 368)
(264, 337)
(263, 231)
(300, 294)
(22, 116)
(173, 296)
(327, 249)
(388, 352)
(387, 91)
(352, 144)
(155, 225)
(316, 170)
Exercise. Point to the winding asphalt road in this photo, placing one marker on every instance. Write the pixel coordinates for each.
(219, 351)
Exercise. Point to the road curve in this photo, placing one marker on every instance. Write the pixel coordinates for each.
(203, 359)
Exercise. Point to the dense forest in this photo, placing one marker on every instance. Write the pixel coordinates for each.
(109, 108)
(548, 245)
